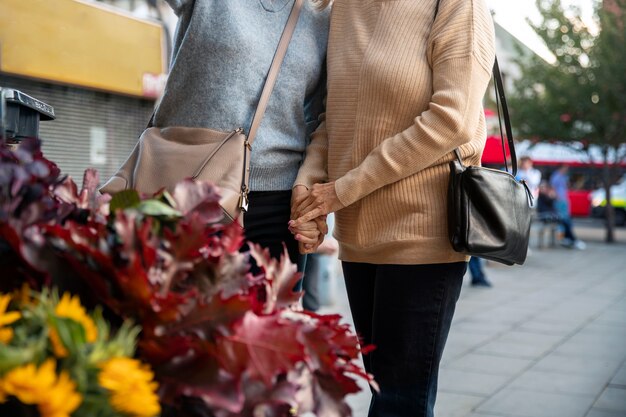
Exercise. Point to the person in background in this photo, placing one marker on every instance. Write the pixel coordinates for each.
(545, 203)
(477, 273)
(531, 175)
(559, 182)
(318, 270)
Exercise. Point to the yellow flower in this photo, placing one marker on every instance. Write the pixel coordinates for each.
(6, 334)
(69, 307)
(62, 399)
(28, 383)
(131, 387)
(54, 397)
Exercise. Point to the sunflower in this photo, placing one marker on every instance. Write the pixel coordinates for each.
(131, 387)
(69, 307)
(54, 396)
(6, 333)
(62, 399)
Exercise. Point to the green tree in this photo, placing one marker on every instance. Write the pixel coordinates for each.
(582, 95)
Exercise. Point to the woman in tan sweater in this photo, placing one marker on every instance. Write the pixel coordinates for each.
(405, 88)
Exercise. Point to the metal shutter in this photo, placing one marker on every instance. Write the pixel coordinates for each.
(84, 118)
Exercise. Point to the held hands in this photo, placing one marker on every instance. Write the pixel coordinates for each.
(321, 200)
(309, 234)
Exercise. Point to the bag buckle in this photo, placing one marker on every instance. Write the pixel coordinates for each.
(243, 200)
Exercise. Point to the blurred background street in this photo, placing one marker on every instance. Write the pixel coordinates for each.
(547, 340)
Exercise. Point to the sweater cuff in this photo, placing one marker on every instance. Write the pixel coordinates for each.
(347, 190)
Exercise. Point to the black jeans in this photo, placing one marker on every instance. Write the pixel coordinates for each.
(266, 223)
(406, 312)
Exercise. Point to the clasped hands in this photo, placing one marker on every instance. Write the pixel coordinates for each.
(308, 214)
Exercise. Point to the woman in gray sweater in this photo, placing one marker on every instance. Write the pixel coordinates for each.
(222, 52)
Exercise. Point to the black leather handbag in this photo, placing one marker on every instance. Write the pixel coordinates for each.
(489, 211)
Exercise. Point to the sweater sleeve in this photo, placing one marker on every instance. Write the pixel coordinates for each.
(314, 166)
(462, 42)
(179, 5)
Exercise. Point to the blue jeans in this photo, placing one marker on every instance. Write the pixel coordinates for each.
(406, 312)
(562, 209)
(476, 269)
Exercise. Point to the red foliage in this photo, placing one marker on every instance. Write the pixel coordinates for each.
(225, 341)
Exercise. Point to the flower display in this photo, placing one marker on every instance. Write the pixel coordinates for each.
(74, 385)
(221, 340)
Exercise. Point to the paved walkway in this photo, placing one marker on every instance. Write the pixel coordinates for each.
(548, 340)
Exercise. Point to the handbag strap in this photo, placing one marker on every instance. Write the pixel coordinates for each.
(272, 74)
(501, 104)
(504, 114)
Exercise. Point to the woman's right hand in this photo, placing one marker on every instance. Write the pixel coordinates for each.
(321, 200)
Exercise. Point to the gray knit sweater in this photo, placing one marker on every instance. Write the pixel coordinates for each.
(222, 52)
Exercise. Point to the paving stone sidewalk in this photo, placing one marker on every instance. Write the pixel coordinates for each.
(548, 340)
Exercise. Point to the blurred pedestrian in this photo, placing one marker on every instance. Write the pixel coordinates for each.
(560, 183)
(545, 205)
(529, 174)
(479, 279)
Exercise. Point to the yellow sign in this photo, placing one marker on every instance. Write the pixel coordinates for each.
(80, 43)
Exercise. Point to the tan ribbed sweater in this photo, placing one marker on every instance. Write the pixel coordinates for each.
(403, 92)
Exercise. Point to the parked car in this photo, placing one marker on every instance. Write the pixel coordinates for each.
(618, 200)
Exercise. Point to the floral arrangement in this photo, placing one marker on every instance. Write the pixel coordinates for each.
(59, 361)
(223, 340)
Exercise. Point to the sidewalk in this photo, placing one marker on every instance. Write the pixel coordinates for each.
(548, 340)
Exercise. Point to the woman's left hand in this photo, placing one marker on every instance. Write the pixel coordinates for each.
(322, 200)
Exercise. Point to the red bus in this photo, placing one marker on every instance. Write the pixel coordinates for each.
(585, 166)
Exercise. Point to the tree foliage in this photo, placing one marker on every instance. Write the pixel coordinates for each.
(610, 68)
(581, 96)
(556, 101)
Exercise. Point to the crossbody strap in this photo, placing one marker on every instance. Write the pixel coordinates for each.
(503, 113)
(501, 104)
(272, 74)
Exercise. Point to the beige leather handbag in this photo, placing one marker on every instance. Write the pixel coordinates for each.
(165, 156)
